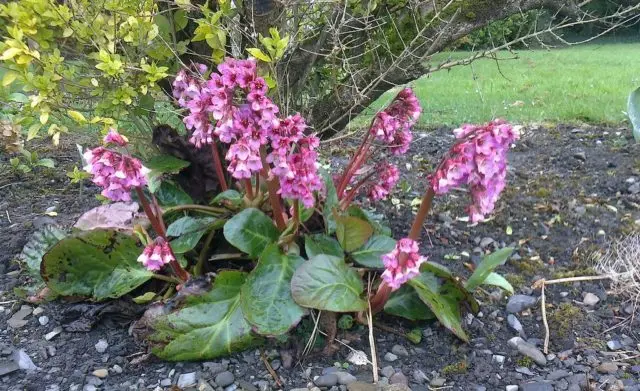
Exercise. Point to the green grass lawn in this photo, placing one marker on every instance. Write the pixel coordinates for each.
(588, 83)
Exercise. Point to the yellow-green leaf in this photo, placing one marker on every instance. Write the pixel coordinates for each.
(44, 117)
(259, 54)
(10, 53)
(33, 131)
(9, 78)
(77, 116)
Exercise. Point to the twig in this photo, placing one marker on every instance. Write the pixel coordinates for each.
(8, 184)
(7, 302)
(542, 282)
(270, 369)
(544, 321)
(8, 218)
(372, 342)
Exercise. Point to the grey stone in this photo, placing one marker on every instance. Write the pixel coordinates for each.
(558, 374)
(117, 368)
(387, 371)
(187, 380)
(231, 387)
(634, 188)
(528, 350)
(8, 366)
(390, 357)
(89, 387)
(263, 385)
(398, 378)
(580, 155)
(485, 242)
(511, 388)
(400, 350)
(359, 386)
(287, 358)
(519, 303)
(498, 359)
(525, 370)
(590, 299)
(614, 345)
(215, 368)
(329, 370)
(17, 320)
(515, 324)
(419, 376)
(43, 320)
(539, 386)
(224, 379)
(438, 382)
(246, 386)
(607, 367)
(345, 378)
(203, 385)
(101, 346)
(328, 380)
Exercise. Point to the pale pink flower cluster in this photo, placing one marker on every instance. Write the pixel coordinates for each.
(393, 125)
(388, 176)
(478, 159)
(233, 106)
(115, 172)
(156, 254)
(113, 137)
(402, 264)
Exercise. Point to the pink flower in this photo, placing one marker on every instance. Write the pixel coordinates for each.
(156, 254)
(113, 137)
(478, 160)
(116, 173)
(244, 160)
(393, 125)
(402, 264)
(387, 178)
(300, 179)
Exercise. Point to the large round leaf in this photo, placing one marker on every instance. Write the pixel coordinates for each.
(322, 244)
(327, 283)
(208, 326)
(444, 307)
(39, 243)
(251, 231)
(99, 264)
(266, 296)
(370, 255)
(352, 232)
(406, 303)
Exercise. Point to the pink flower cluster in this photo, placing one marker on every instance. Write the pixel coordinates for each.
(115, 172)
(113, 137)
(393, 125)
(478, 159)
(235, 100)
(156, 254)
(402, 264)
(388, 176)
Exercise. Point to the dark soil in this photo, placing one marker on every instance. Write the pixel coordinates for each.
(568, 197)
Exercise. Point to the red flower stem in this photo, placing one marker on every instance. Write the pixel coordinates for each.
(362, 157)
(158, 225)
(346, 177)
(296, 215)
(217, 163)
(248, 188)
(257, 184)
(344, 204)
(381, 297)
(273, 185)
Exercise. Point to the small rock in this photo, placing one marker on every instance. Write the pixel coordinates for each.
(558, 374)
(89, 387)
(165, 382)
(498, 359)
(525, 370)
(287, 358)
(515, 324)
(43, 320)
(101, 346)
(538, 386)
(224, 379)
(328, 380)
(400, 350)
(357, 386)
(263, 385)
(590, 299)
(580, 155)
(634, 188)
(485, 242)
(203, 385)
(275, 364)
(214, 367)
(53, 333)
(101, 373)
(519, 303)
(189, 380)
(438, 382)
(17, 320)
(244, 385)
(607, 367)
(390, 357)
(387, 371)
(8, 366)
(51, 350)
(528, 350)
(38, 311)
(511, 388)
(419, 376)
(357, 357)
(614, 345)
(398, 378)
(345, 378)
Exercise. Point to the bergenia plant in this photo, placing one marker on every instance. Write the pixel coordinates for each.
(282, 237)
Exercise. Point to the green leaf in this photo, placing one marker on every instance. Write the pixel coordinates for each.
(370, 255)
(144, 299)
(187, 242)
(251, 231)
(352, 232)
(77, 116)
(488, 264)
(326, 283)
(330, 202)
(164, 26)
(166, 164)
(46, 163)
(232, 196)
(99, 264)
(437, 269)
(39, 243)
(188, 224)
(446, 309)
(266, 295)
(633, 109)
(496, 279)
(207, 327)
(170, 194)
(259, 54)
(406, 303)
(322, 244)
(372, 219)
(180, 19)
(18, 97)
